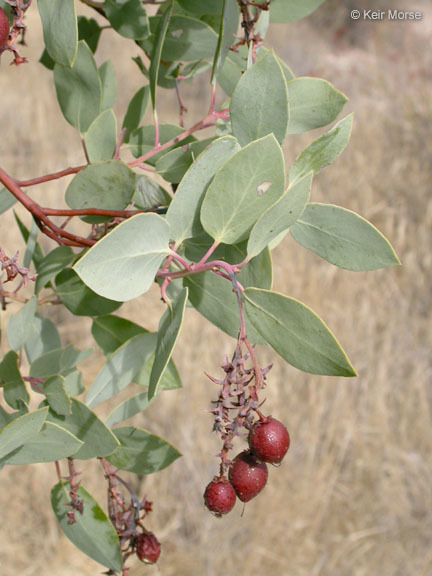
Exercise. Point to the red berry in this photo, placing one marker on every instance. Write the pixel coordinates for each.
(269, 440)
(4, 28)
(148, 548)
(247, 476)
(219, 496)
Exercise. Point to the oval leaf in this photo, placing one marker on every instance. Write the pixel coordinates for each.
(14, 390)
(21, 430)
(296, 333)
(135, 112)
(291, 10)
(280, 216)
(247, 184)
(101, 137)
(343, 238)
(129, 257)
(53, 263)
(92, 532)
(322, 151)
(128, 408)
(60, 29)
(313, 103)
(121, 368)
(79, 89)
(259, 105)
(79, 299)
(184, 212)
(52, 443)
(108, 185)
(128, 18)
(84, 424)
(169, 329)
(141, 452)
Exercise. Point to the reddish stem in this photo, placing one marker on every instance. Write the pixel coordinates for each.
(49, 177)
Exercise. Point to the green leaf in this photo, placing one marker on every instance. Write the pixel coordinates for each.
(31, 244)
(228, 29)
(187, 39)
(20, 323)
(135, 112)
(53, 263)
(7, 200)
(159, 34)
(109, 85)
(183, 213)
(141, 452)
(259, 105)
(128, 408)
(101, 137)
(110, 332)
(322, 151)
(242, 189)
(168, 332)
(109, 185)
(92, 532)
(313, 103)
(60, 29)
(52, 443)
(121, 368)
(170, 379)
(296, 333)
(129, 256)
(14, 390)
(80, 299)
(98, 439)
(214, 298)
(59, 361)
(57, 397)
(38, 254)
(42, 337)
(90, 31)
(149, 194)
(231, 72)
(21, 430)
(79, 89)
(173, 165)
(280, 216)
(343, 238)
(128, 18)
(202, 6)
(291, 10)
(73, 383)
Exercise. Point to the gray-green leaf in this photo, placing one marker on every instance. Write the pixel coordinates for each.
(280, 216)
(21, 430)
(92, 533)
(296, 333)
(168, 332)
(322, 151)
(243, 188)
(259, 105)
(60, 30)
(129, 257)
(141, 452)
(101, 137)
(343, 238)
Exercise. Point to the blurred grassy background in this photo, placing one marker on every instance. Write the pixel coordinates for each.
(354, 494)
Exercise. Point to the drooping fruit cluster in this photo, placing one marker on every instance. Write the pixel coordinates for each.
(4, 28)
(235, 414)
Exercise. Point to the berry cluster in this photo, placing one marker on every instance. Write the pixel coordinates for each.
(236, 409)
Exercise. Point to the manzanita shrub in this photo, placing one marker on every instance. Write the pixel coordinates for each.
(205, 237)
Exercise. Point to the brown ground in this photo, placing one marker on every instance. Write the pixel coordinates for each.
(354, 496)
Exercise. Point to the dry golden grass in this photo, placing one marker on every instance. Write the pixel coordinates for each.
(354, 496)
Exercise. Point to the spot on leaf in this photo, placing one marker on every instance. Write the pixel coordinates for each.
(176, 33)
(263, 188)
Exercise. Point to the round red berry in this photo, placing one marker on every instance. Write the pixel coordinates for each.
(247, 476)
(219, 496)
(4, 28)
(148, 547)
(269, 440)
